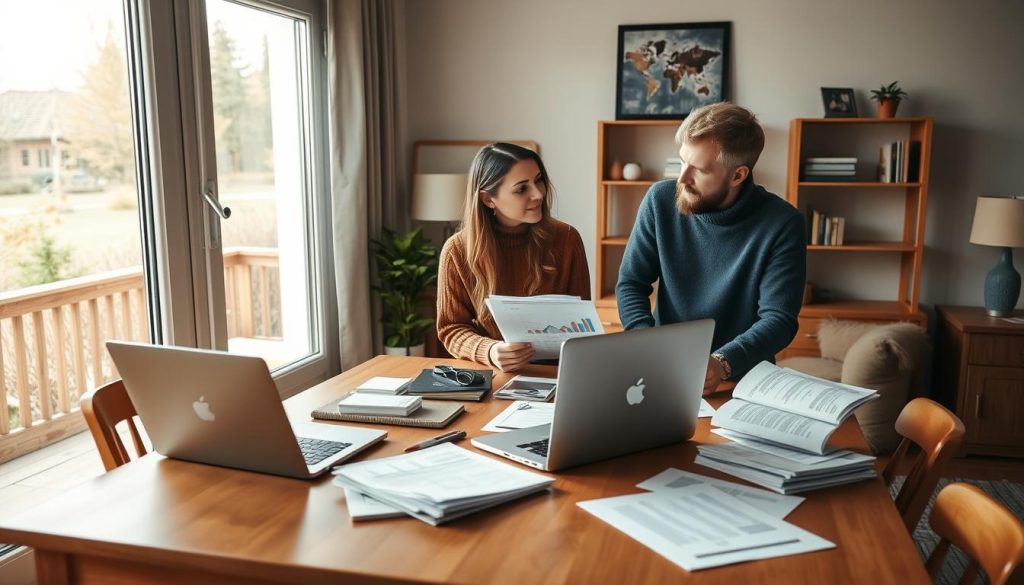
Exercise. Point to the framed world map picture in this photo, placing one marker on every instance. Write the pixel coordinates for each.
(666, 70)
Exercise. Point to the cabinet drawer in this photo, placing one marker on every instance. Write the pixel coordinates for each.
(806, 337)
(996, 350)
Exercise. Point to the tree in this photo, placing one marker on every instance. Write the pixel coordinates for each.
(100, 131)
(47, 261)
(229, 99)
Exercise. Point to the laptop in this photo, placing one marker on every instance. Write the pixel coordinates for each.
(223, 409)
(617, 394)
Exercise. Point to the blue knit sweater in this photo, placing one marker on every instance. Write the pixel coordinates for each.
(744, 267)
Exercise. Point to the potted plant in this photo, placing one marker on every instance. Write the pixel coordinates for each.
(888, 98)
(406, 266)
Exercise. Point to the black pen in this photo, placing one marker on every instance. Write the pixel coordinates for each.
(452, 436)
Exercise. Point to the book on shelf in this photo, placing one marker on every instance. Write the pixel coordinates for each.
(826, 230)
(789, 408)
(673, 166)
(830, 167)
(899, 162)
(831, 159)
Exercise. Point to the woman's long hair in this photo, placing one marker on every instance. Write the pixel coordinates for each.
(479, 222)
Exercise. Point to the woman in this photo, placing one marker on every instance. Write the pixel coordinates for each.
(509, 245)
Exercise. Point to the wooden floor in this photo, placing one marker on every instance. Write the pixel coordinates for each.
(33, 479)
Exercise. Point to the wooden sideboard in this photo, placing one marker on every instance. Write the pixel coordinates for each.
(979, 375)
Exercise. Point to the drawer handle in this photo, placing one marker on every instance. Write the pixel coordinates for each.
(977, 405)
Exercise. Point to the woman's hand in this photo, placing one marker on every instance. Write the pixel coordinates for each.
(509, 357)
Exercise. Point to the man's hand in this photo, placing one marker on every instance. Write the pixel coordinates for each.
(509, 357)
(713, 377)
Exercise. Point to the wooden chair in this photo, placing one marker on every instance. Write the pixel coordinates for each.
(989, 533)
(938, 433)
(103, 408)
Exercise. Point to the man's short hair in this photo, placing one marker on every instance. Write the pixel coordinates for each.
(733, 129)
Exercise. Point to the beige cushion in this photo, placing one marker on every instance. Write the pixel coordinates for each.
(820, 367)
(835, 337)
(884, 359)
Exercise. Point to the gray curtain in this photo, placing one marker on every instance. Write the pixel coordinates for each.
(367, 163)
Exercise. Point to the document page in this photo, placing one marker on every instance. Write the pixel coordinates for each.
(772, 424)
(440, 474)
(544, 321)
(702, 527)
(363, 507)
(780, 451)
(706, 410)
(796, 392)
(521, 414)
(673, 479)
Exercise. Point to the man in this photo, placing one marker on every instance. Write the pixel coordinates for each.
(721, 246)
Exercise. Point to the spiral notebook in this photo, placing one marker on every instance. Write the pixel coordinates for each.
(432, 414)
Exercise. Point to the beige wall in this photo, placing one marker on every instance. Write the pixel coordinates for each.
(545, 70)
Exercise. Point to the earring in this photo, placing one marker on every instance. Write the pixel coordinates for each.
(494, 211)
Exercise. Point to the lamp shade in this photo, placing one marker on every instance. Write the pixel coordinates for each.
(998, 221)
(438, 197)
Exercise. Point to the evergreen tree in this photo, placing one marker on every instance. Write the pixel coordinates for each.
(229, 100)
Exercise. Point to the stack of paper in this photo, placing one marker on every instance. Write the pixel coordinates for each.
(521, 415)
(699, 522)
(441, 483)
(384, 385)
(783, 471)
(360, 403)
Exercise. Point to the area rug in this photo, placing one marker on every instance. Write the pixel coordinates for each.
(1007, 493)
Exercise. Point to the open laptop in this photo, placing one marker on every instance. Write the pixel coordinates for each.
(617, 394)
(223, 409)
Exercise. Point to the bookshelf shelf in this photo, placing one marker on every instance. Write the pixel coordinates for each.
(628, 183)
(615, 240)
(874, 219)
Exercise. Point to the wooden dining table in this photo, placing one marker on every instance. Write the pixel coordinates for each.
(160, 520)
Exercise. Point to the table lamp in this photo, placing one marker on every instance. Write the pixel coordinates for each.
(999, 221)
(439, 197)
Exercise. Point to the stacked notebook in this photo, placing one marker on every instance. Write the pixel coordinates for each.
(380, 404)
(439, 484)
(384, 385)
(430, 386)
(827, 169)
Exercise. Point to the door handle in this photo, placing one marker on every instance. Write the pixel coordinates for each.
(223, 212)
(977, 405)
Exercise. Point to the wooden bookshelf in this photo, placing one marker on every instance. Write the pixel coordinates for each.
(863, 203)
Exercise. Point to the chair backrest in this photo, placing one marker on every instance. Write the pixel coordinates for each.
(103, 408)
(989, 533)
(938, 433)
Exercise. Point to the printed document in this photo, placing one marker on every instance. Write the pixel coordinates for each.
(544, 321)
(440, 483)
(521, 414)
(790, 408)
(706, 410)
(363, 507)
(702, 527)
(673, 479)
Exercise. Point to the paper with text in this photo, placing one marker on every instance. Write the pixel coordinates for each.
(544, 321)
(799, 393)
(676, 479)
(703, 527)
(521, 414)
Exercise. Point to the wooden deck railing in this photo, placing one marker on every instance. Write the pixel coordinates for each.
(52, 335)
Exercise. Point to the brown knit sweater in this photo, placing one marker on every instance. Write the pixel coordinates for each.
(466, 336)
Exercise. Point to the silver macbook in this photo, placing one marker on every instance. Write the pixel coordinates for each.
(617, 394)
(223, 409)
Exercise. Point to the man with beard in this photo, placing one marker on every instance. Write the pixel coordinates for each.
(721, 247)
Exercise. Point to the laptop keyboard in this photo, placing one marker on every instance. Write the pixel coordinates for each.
(538, 447)
(316, 450)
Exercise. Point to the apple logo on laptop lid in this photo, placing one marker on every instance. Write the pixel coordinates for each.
(202, 408)
(635, 393)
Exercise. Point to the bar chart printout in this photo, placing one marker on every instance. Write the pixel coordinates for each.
(544, 321)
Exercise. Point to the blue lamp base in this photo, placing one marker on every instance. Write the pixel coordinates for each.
(1002, 286)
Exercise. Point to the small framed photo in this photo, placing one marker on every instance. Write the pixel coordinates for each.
(666, 70)
(839, 102)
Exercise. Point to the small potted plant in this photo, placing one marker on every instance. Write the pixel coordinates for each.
(406, 266)
(888, 98)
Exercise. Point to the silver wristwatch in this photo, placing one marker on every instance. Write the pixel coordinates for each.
(722, 361)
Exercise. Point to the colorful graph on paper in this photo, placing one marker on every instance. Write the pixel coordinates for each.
(582, 326)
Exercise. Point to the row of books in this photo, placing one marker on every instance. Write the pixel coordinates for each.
(830, 168)
(826, 230)
(899, 162)
(673, 166)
